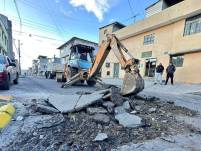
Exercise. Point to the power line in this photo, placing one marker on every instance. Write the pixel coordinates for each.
(44, 37)
(18, 12)
(52, 18)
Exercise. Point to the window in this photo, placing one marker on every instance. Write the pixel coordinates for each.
(108, 73)
(193, 25)
(149, 39)
(146, 54)
(177, 60)
(107, 65)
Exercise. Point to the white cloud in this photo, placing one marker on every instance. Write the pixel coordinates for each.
(98, 7)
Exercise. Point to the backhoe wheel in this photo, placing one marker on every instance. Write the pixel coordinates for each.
(91, 82)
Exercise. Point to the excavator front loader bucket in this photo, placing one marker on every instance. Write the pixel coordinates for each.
(132, 84)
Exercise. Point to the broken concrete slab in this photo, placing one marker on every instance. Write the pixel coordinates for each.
(128, 120)
(101, 137)
(72, 103)
(99, 110)
(45, 109)
(101, 118)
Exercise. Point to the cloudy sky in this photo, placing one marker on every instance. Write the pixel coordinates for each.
(46, 24)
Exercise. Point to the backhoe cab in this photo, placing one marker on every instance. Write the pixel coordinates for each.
(80, 60)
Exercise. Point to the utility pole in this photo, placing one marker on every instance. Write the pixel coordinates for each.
(19, 55)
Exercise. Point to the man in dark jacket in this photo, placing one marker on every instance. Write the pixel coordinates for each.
(159, 73)
(170, 73)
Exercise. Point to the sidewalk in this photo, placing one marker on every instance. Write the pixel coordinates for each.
(185, 95)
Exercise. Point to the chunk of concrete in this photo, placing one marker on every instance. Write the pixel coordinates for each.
(101, 137)
(46, 109)
(126, 105)
(108, 104)
(151, 110)
(119, 110)
(101, 118)
(99, 110)
(72, 103)
(128, 120)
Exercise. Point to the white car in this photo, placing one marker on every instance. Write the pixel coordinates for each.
(8, 72)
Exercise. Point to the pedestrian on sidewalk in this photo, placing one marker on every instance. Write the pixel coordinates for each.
(159, 73)
(46, 74)
(170, 73)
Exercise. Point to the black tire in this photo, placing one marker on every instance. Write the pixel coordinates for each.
(91, 82)
(16, 80)
(7, 84)
(82, 81)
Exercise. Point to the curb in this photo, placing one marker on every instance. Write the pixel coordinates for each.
(6, 113)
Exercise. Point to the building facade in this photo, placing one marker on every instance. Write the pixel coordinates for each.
(6, 39)
(42, 65)
(65, 48)
(34, 67)
(172, 34)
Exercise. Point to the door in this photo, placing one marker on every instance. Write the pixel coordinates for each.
(150, 67)
(116, 70)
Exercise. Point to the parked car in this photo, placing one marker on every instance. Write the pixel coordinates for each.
(8, 72)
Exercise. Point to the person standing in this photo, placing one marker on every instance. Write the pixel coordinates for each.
(170, 73)
(159, 73)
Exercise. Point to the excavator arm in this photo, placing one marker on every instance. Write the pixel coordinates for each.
(132, 82)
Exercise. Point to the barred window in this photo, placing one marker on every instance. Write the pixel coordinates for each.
(178, 60)
(107, 65)
(146, 54)
(149, 39)
(193, 25)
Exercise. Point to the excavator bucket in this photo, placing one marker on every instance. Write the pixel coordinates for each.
(132, 84)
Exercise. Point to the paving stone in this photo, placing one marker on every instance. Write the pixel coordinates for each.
(101, 118)
(101, 137)
(128, 120)
(100, 110)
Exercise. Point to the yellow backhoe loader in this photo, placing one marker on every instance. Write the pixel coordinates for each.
(132, 82)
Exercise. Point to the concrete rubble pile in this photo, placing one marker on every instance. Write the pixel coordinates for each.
(101, 120)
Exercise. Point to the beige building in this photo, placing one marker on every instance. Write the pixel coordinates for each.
(172, 33)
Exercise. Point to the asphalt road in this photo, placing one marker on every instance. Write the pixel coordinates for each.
(39, 87)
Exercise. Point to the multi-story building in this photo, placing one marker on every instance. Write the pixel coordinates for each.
(170, 32)
(34, 67)
(6, 40)
(65, 48)
(42, 64)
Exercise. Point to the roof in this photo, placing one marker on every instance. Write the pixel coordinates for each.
(40, 56)
(114, 23)
(169, 2)
(73, 39)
